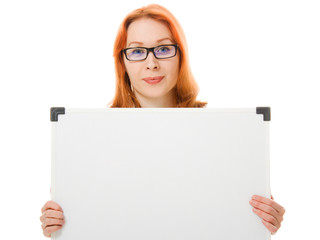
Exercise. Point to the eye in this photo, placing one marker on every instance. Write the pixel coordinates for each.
(163, 49)
(137, 51)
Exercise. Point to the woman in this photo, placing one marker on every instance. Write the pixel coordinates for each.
(152, 70)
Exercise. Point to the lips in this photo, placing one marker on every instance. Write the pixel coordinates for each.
(153, 80)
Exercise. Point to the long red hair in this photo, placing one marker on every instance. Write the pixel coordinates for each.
(186, 89)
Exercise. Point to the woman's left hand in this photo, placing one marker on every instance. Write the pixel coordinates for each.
(270, 212)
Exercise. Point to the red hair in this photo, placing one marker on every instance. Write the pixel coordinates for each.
(186, 89)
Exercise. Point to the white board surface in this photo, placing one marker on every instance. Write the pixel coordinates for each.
(160, 173)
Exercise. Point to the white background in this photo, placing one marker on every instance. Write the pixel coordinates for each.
(243, 54)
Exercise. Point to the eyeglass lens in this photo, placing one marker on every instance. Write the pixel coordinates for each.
(160, 52)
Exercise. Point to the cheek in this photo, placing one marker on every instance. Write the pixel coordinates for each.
(174, 69)
(176, 63)
(131, 70)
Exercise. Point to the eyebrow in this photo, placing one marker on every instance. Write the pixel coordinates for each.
(158, 41)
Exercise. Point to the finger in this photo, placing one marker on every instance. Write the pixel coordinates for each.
(52, 222)
(51, 214)
(270, 227)
(272, 197)
(270, 202)
(51, 205)
(48, 230)
(267, 209)
(43, 218)
(266, 217)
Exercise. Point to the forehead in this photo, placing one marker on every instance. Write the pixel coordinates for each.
(147, 31)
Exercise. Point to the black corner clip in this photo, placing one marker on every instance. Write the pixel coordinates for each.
(266, 111)
(54, 113)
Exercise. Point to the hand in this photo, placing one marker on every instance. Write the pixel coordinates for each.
(270, 212)
(52, 218)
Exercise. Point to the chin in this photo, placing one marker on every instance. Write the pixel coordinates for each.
(155, 94)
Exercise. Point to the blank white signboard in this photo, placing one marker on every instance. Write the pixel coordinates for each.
(160, 173)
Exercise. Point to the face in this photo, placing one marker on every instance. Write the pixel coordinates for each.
(144, 75)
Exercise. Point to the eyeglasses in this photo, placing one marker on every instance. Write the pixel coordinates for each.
(160, 52)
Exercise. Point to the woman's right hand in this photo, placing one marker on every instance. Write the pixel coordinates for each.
(52, 218)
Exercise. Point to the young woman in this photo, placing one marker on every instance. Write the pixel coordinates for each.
(152, 70)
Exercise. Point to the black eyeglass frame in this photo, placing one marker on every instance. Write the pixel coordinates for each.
(151, 50)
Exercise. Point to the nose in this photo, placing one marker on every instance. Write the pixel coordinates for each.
(152, 62)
